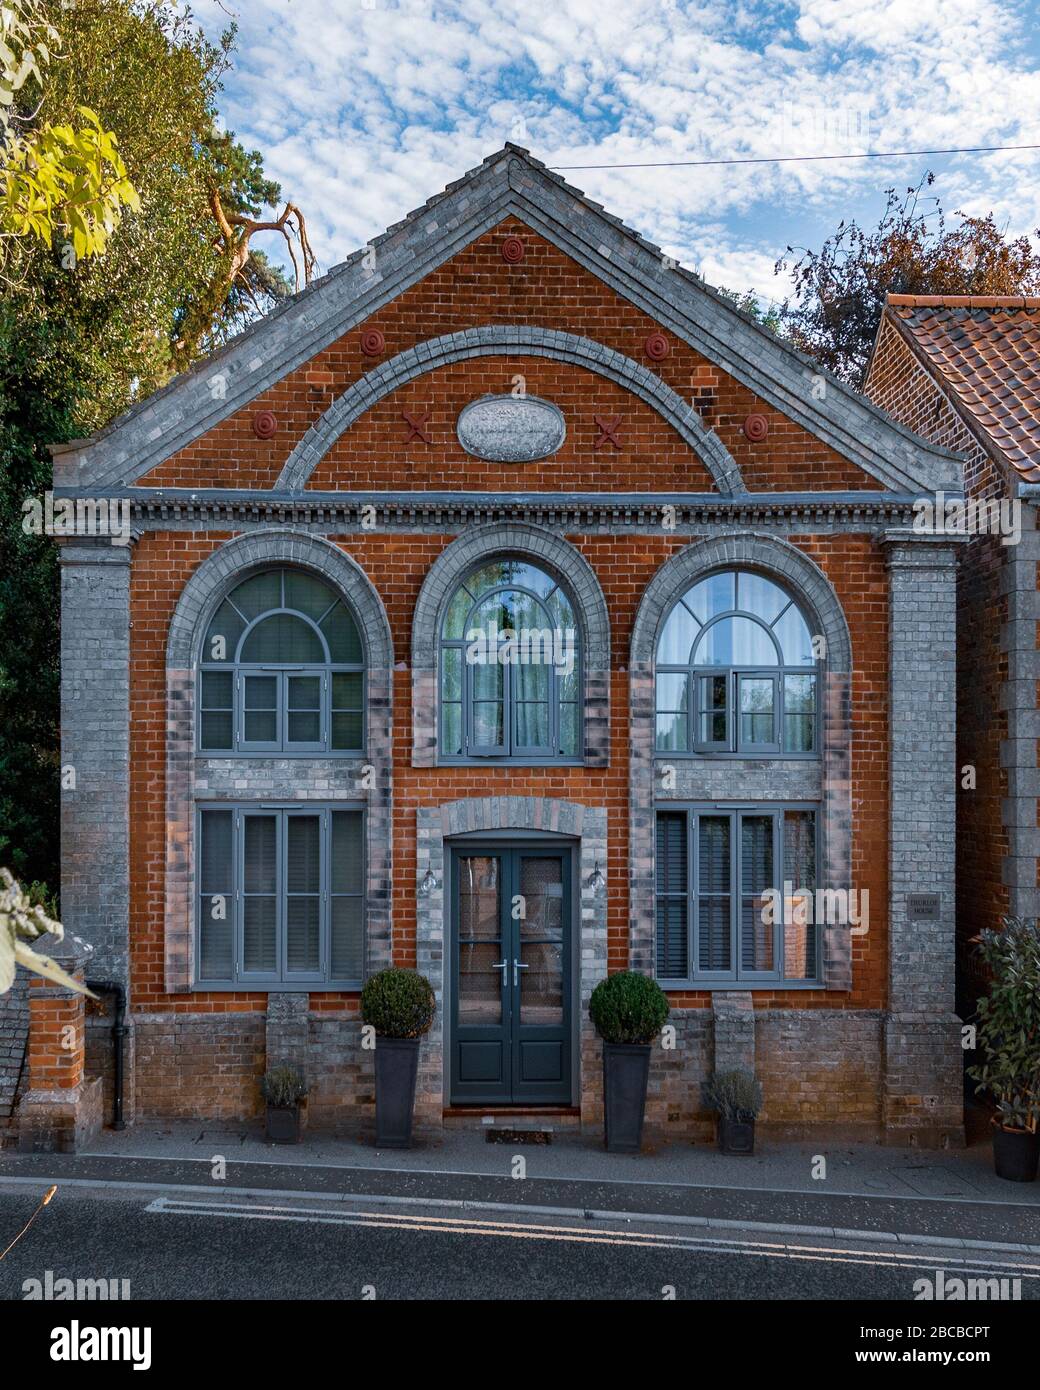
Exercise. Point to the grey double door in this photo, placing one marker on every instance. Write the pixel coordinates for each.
(510, 943)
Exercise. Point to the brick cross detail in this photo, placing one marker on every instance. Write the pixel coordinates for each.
(608, 426)
(416, 426)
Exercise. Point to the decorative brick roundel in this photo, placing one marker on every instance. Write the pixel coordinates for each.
(657, 347)
(512, 250)
(372, 342)
(756, 427)
(265, 424)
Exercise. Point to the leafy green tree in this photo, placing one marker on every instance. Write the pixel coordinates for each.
(839, 291)
(79, 343)
(55, 180)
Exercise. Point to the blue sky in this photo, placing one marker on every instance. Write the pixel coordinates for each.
(365, 108)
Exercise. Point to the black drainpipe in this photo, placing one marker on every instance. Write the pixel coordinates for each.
(118, 1034)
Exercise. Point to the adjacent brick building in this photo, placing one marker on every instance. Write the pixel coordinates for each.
(292, 765)
(964, 372)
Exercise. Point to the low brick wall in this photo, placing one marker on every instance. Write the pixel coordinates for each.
(674, 1109)
(820, 1067)
(198, 1066)
(821, 1070)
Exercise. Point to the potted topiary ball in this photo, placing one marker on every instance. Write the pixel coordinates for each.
(399, 1005)
(628, 1011)
(1009, 1038)
(284, 1089)
(736, 1098)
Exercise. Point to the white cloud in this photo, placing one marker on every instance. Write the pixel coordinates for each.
(362, 114)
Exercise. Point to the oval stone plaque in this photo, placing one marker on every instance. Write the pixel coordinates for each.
(511, 429)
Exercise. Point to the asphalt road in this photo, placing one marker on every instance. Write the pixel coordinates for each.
(176, 1247)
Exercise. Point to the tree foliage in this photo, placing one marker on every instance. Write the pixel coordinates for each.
(839, 290)
(79, 343)
(55, 180)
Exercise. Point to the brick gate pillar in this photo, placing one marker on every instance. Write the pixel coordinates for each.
(61, 1111)
(923, 1087)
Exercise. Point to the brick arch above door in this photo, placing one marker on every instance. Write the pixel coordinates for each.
(503, 340)
(567, 564)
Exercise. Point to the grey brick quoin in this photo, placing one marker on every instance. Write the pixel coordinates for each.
(922, 1052)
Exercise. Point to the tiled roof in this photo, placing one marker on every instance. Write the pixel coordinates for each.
(986, 350)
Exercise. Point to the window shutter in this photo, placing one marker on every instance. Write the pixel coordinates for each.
(303, 888)
(259, 889)
(756, 874)
(714, 897)
(672, 884)
(347, 878)
(216, 895)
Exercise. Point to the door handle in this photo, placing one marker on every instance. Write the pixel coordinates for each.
(502, 965)
(517, 967)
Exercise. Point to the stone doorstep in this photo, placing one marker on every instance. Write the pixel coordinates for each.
(521, 1123)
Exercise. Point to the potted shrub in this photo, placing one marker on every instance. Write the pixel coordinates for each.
(399, 1005)
(736, 1098)
(1009, 1038)
(284, 1090)
(628, 1011)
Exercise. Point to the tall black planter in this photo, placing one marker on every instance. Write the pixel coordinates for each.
(626, 1068)
(397, 1065)
(1016, 1154)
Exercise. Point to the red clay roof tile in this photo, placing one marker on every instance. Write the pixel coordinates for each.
(986, 350)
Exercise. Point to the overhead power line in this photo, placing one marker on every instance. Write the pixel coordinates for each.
(794, 158)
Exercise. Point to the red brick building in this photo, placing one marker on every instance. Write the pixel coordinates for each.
(511, 413)
(964, 371)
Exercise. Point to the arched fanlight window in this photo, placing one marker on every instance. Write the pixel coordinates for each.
(510, 667)
(282, 670)
(736, 671)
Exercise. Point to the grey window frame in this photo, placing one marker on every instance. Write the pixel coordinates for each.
(510, 752)
(737, 977)
(735, 747)
(281, 979)
(240, 670)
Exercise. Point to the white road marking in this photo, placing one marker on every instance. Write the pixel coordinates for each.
(646, 1240)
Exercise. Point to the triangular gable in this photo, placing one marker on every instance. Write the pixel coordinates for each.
(509, 183)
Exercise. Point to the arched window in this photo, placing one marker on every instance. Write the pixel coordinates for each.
(736, 671)
(510, 667)
(282, 670)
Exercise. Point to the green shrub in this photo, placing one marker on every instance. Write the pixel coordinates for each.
(1009, 1023)
(398, 1003)
(735, 1095)
(283, 1087)
(628, 1008)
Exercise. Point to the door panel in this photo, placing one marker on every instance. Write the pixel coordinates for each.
(511, 972)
